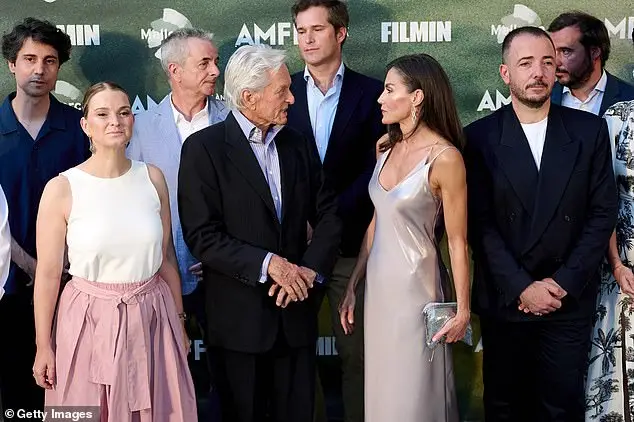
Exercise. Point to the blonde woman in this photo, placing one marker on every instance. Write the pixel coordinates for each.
(118, 342)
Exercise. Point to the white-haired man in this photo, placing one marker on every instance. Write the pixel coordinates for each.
(247, 186)
(190, 60)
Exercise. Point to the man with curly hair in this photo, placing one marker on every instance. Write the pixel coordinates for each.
(39, 138)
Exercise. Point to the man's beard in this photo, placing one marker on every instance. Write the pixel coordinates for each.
(32, 91)
(534, 101)
(578, 77)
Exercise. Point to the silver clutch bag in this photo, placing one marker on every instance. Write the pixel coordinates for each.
(436, 315)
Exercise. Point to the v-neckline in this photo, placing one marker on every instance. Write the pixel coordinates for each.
(407, 176)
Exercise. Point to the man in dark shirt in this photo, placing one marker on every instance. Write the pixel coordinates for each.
(39, 138)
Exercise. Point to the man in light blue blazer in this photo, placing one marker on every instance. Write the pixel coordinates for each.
(190, 60)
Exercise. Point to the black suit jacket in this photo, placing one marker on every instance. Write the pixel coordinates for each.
(616, 90)
(350, 157)
(229, 223)
(526, 225)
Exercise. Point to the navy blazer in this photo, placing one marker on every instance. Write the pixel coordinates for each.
(351, 156)
(616, 90)
(527, 225)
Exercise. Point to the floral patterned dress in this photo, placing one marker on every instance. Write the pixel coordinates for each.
(610, 382)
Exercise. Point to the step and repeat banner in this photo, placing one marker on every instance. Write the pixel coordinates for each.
(118, 40)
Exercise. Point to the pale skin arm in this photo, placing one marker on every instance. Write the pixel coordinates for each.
(622, 273)
(51, 243)
(169, 267)
(448, 179)
(346, 307)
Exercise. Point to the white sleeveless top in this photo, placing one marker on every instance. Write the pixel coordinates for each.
(114, 231)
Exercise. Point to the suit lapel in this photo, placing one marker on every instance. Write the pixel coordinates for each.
(301, 108)
(349, 97)
(166, 127)
(611, 94)
(555, 97)
(242, 156)
(558, 161)
(287, 169)
(516, 159)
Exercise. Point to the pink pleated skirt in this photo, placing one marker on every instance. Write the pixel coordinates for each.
(120, 347)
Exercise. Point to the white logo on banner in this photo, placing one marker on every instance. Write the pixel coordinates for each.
(276, 34)
(621, 30)
(82, 34)
(68, 93)
(325, 347)
(163, 27)
(137, 104)
(521, 16)
(415, 32)
(487, 102)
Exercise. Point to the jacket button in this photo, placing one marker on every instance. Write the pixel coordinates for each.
(512, 217)
(567, 218)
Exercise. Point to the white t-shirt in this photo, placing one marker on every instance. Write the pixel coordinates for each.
(536, 136)
(5, 242)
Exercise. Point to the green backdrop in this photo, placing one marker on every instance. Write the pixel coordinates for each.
(118, 39)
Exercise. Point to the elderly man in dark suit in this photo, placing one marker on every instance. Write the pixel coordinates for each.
(247, 188)
(542, 207)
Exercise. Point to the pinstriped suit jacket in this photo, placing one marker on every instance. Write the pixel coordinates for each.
(230, 224)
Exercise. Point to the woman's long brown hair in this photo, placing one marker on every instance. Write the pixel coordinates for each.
(438, 110)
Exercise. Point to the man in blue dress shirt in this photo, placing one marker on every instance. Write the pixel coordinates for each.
(336, 108)
(39, 138)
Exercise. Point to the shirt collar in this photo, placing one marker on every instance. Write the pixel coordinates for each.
(56, 114)
(178, 116)
(600, 86)
(603, 82)
(9, 121)
(338, 76)
(247, 126)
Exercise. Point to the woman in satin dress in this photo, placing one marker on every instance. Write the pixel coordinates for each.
(418, 188)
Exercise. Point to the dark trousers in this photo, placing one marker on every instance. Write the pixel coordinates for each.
(17, 353)
(194, 307)
(276, 386)
(534, 371)
(349, 347)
